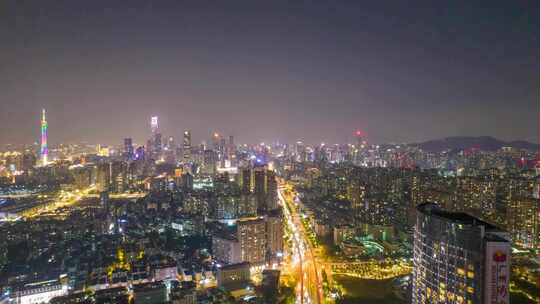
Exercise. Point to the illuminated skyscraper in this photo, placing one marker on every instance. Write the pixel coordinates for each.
(187, 146)
(155, 140)
(231, 152)
(215, 141)
(222, 156)
(44, 147)
(458, 259)
(264, 186)
(154, 124)
(128, 148)
(359, 147)
(359, 138)
(251, 234)
(356, 194)
(244, 180)
(103, 177)
(300, 152)
(523, 217)
(274, 235)
(157, 145)
(209, 162)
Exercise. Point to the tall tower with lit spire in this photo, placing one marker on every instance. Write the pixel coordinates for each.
(154, 124)
(44, 147)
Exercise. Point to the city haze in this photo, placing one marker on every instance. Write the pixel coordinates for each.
(273, 71)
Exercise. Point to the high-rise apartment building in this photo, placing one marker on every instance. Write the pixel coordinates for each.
(458, 259)
(260, 186)
(215, 141)
(226, 249)
(271, 200)
(274, 235)
(119, 176)
(158, 145)
(265, 188)
(231, 152)
(103, 177)
(111, 176)
(209, 162)
(128, 148)
(356, 194)
(251, 234)
(256, 240)
(82, 176)
(523, 217)
(300, 152)
(244, 180)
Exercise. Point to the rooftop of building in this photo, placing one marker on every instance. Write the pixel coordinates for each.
(188, 285)
(144, 287)
(28, 287)
(226, 234)
(275, 213)
(250, 220)
(111, 291)
(235, 266)
(495, 238)
(433, 209)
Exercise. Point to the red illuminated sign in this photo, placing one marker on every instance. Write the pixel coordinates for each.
(497, 273)
(499, 256)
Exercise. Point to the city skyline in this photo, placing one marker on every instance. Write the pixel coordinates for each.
(474, 142)
(269, 152)
(401, 73)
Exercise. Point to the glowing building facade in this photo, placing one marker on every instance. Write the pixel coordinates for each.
(154, 124)
(458, 259)
(155, 141)
(44, 147)
(187, 146)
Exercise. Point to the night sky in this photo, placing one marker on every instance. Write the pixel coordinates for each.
(269, 70)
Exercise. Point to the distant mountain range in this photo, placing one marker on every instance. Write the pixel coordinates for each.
(484, 143)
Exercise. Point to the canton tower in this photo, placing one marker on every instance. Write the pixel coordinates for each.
(44, 148)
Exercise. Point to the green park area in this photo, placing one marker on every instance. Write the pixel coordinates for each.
(366, 291)
(518, 298)
(361, 291)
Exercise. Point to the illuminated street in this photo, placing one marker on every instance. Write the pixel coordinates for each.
(65, 199)
(128, 196)
(309, 289)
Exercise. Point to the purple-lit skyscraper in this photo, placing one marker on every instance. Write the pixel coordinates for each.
(154, 124)
(156, 138)
(44, 147)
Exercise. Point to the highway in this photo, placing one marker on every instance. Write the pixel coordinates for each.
(64, 199)
(15, 196)
(309, 288)
(70, 198)
(129, 196)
